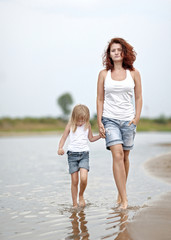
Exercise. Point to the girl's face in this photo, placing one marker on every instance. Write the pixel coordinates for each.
(80, 122)
(116, 52)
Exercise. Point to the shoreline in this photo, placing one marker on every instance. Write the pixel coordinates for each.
(27, 133)
(60, 131)
(154, 222)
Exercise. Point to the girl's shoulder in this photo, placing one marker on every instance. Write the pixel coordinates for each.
(87, 126)
(68, 126)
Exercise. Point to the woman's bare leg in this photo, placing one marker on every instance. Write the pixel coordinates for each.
(126, 164)
(83, 185)
(126, 161)
(119, 172)
(74, 188)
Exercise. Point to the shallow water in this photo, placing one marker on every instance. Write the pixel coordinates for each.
(35, 199)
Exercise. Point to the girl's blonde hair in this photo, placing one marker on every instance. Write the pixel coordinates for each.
(79, 112)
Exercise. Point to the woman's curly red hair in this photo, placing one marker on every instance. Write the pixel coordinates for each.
(129, 55)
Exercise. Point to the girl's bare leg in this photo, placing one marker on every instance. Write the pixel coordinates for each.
(126, 163)
(83, 184)
(119, 172)
(74, 188)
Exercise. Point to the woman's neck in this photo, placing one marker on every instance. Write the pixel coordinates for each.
(118, 66)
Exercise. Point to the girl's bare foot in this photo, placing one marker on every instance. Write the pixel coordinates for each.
(81, 202)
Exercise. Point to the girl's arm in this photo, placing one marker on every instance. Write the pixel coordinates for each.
(63, 139)
(138, 97)
(91, 137)
(100, 101)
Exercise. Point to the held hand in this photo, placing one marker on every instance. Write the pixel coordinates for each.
(102, 130)
(61, 151)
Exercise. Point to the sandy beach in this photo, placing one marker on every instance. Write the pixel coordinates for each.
(154, 222)
(160, 167)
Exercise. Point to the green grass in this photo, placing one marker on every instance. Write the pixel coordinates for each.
(28, 124)
(31, 124)
(154, 124)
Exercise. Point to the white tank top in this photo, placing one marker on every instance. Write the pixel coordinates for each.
(118, 99)
(78, 140)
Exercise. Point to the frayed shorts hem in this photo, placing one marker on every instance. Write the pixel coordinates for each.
(77, 170)
(128, 148)
(112, 143)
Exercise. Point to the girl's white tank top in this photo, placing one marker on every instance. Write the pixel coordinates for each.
(118, 98)
(78, 140)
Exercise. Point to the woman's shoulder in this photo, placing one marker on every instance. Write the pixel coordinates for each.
(103, 73)
(135, 73)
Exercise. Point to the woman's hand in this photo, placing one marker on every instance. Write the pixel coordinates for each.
(101, 130)
(134, 121)
(61, 151)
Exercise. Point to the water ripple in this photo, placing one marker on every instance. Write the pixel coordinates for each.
(35, 191)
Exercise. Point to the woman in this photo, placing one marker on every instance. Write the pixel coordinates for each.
(117, 85)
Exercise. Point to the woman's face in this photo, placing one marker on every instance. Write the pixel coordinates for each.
(116, 52)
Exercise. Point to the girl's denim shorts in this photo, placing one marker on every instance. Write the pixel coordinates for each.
(119, 132)
(77, 160)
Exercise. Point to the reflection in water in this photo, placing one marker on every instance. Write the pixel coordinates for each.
(79, 228)
(123, 233)
(118, 229)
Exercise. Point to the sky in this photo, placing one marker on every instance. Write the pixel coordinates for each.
(50, 47)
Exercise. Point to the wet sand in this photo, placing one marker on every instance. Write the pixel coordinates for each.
(160, 167)
(154, 222)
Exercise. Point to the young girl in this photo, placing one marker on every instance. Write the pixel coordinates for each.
(79, 131)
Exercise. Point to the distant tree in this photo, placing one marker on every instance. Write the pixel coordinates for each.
(65, 101)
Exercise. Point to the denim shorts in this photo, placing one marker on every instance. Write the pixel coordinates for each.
(119, 132)
(77, 160)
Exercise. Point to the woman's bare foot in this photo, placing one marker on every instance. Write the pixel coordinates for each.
(81, 202)
(123, 205)
(74, 206)
(118, 201)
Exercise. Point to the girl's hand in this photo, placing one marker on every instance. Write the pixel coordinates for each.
(61, 151)
(102, 130)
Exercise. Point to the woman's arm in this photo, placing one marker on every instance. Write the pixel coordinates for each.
(63, 139)
(138, 96)
(100, 101)
(91, 137)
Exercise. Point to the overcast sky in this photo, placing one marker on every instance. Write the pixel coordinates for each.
(49, 47)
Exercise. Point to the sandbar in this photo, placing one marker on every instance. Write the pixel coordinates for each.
(154, 222)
